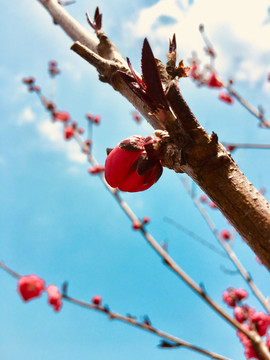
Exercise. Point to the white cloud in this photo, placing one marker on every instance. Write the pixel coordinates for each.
(53, 132)
(238, 30)
(26, 116)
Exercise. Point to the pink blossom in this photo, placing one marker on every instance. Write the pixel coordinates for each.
(30, 287)
(54, 297)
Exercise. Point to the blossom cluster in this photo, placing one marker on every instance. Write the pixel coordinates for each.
(250, 319)
(32, 286)
(211, 80)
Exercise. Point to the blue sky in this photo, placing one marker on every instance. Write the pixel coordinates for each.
(60, 223)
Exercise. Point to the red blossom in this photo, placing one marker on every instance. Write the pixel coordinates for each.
(54, 297)
(261, 321)
(146, 219)
(96, 300)
(243, 313)
(213, 81)
(93, 118)
(232, 296)
(194, 71)
(225, 234)
(212, 205)
(136, 225)
(134, 164)
(53, 70)
(30, 287)
(225, 98)
(68, 132)
(250, 353)
(203, 198)
(96, 119)
(240, 294)
(230, 148)
(29, 81)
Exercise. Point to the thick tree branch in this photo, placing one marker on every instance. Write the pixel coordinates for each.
(196, 153)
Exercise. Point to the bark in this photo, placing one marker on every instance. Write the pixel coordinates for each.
(190, 149)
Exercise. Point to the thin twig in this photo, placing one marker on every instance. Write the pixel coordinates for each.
(231, 254)
(128, 320)
(212, 53)
(246, 146)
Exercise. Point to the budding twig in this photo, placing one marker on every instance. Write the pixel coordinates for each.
(259, 114)
(231, 254)
(128, 320)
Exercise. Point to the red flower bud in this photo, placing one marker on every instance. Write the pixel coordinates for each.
(136, 225)
(230, 148)
(96, 119)
(68, 132)
(30, 287)
(134, 164)
(29, 81)
(96, 169)
(146, 220)
(225, 234)
(96, 300)
(226, 98)
(54, 297)
(203, 199)
(261, 321)
(80, 130)
(61, 116)
(52, 63)
(212, 205)
(213, 81)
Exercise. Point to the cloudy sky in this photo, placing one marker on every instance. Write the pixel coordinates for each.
(59, 222)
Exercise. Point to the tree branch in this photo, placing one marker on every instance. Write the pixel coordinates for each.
(204, 159)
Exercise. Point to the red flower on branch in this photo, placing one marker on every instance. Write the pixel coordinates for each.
(213, 81)
(134, 164)
(96, 300)
(30, 287)
(261, 321)
(232, 296)
(68, 132)
(96, 169)
(225, 234)
(61, 116)
(225, 98)
(54, 297)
